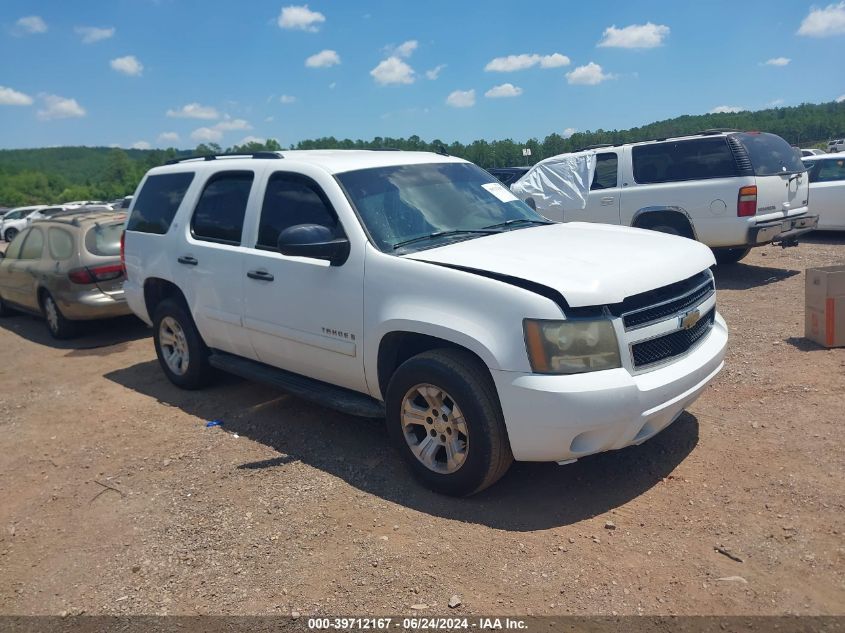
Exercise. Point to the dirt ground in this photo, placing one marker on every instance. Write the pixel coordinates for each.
(116, 499)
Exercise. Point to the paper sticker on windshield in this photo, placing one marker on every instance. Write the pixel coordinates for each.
(500, 192)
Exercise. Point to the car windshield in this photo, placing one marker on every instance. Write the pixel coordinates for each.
(770, 154)
(412, 207)
(104, 239)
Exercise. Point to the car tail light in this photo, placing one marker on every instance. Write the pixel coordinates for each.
(92, 275)
(746, 204)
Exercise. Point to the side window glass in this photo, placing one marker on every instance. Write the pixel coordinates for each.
(158, 201)
(676, 161)
(607, 170)
(33, 245)
(60, 243)
(14, 249)
(219, 214)
(290, 200)
(830, 171)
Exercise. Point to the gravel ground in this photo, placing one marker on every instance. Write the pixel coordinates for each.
(116, 498)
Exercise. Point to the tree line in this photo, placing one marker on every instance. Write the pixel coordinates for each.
(51, 175)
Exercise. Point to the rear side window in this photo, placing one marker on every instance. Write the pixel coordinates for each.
(33, 245)
(607, 170)
(60, 243)
(219, 214)
(104, 240)
(158, 201)
(830, 170)
(14, 249)
(770, 154)
(675, 161)
(290, 200)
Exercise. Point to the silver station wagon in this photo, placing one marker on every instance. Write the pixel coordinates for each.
(66, 269)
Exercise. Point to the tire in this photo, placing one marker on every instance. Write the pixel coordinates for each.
(665, 228)
(58, 326)
(10, 234)
(181, 352)
(5, 310)
(730, 255)
(470, 420)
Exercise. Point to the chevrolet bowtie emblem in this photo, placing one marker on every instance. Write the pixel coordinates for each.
(690, 319)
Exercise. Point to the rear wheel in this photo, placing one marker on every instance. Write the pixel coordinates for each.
(10, 234)
(57, 324)
(444, 416)
(730, 255)
(181, 351)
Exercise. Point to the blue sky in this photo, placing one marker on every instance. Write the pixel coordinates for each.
(158, 73)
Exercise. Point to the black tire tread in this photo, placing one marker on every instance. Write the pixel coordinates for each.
(200, 371)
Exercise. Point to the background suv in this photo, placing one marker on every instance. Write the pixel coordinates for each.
(729, 190)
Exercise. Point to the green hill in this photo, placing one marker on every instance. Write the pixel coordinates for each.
(29, 176)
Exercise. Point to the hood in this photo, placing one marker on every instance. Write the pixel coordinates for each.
(589, 264)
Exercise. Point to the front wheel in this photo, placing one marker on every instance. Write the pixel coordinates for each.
(10, 234)
(730, 255)
(444, 416)
(181, 351)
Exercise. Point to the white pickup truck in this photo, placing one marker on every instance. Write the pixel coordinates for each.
(415, 286)
(730, 190)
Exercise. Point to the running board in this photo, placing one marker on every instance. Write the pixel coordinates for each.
(331, 396)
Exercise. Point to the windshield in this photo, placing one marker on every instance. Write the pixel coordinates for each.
(450, 200)
(770, 154)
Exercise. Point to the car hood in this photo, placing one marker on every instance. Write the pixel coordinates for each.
(589, 264)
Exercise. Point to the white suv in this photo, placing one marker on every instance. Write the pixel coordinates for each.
(729, 190)
(415, 286)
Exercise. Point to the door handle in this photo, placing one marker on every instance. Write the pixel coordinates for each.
(607, 200)
(261, 275)
(187, 259)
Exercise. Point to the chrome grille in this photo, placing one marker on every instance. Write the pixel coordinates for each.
(665, 302)
(664, 347)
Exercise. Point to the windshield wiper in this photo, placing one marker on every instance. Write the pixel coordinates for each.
(436, 234)
(518, 221)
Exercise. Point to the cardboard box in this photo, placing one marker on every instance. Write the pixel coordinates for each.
(824, 306)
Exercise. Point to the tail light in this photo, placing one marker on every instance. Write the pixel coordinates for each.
(92, 275)
(746, 204)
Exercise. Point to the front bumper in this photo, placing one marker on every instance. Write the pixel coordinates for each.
(784, 231)
(557, 418)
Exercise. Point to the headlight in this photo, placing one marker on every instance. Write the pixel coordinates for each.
(571, 347)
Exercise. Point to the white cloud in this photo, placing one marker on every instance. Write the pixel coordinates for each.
(568, 132)
(91, 34)
(646, 35)
(840, 99)
(229, 124)
(287, 99)
(56, 107)
(141, 145)
(726, 109)
(128, 65)
(505, 90)
(206, 135)
(555, 60)
(824, 22)
(300, 18)
(323, 59)
(269, 119)
(393, 71)
(434, 73)
(251, 139)
(588, 75)
(512, 63)
(461, 99)
(405, 49)
(777, 61)
(194, 111)
(31, 25)
(9, 96)
(774, 103)
(168, 137)
(332, 85)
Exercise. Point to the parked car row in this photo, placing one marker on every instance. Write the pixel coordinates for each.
(15, 220)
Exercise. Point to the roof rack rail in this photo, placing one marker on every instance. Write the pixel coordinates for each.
(206, 157)
(717, 130)
(598, 146)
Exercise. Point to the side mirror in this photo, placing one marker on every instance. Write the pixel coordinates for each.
(314, 240)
